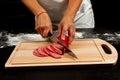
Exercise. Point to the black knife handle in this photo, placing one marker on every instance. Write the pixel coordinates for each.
(49, 34)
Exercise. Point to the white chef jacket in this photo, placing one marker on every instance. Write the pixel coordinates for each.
(84, 17)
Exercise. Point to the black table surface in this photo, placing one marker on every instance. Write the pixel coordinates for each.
(91, 72)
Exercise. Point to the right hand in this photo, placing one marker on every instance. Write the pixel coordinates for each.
(43, 25)
(67, 25)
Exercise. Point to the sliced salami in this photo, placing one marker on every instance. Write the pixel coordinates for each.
(41, 51)
(56, 50)
(36, 53)
(46, 50)
(58, 46)
(49, 51)
(54, 55)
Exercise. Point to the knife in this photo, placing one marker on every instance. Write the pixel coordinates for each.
(54, 39)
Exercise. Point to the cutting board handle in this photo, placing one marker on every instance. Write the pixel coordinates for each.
(106, 49)
(108, 52)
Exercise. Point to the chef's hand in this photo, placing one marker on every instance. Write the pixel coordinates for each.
(67, 25)
(43, 25)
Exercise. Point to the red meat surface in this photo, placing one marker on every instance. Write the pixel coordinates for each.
(58, 46)
(50, 51)
(54, 50)
(41, 51)
(36, 53)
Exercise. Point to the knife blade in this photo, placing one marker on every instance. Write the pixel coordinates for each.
(54, 39)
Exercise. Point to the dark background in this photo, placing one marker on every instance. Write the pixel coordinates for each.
(14, 16)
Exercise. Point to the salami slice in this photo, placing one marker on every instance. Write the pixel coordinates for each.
(54, 55)
(46, 50)
(41, 51)
(58, 46)
(36, 53)
(56, 50)
(49, 51)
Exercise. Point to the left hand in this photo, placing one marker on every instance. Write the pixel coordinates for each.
(67, 25)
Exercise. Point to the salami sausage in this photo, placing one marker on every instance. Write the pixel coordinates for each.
(36, 53)
(41, 51)
(54, 50)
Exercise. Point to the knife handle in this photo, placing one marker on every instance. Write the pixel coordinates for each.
(49, 34)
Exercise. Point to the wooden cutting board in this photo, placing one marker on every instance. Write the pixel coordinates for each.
(88, 51)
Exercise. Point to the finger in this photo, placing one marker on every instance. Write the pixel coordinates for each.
(38, 30)
(45, 32)
(36, 27)
(51, 30)
(64, 30)
(47, 29)
(39, 27)
(59, 30)
(71, 33)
